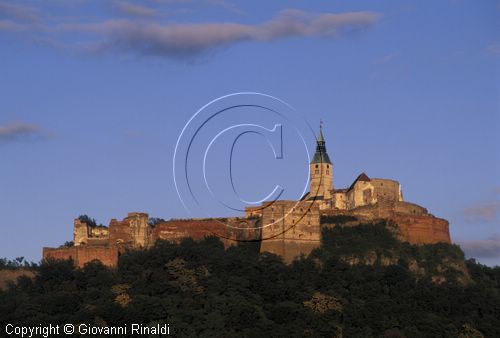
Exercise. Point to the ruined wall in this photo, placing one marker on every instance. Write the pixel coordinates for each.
(339, 200)
(416, 225)
(290, 228)
(99, 231)
(120, 233)
(229, 230)
(423, 229)
(108, 255)
(80, 232)
(139, 228)
(410, 208)
(176, 230)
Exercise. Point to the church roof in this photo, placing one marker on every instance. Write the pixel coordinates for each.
(321, 156)
(361, 177)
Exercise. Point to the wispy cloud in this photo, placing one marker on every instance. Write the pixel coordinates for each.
(181, 40)
(484, 212)
(387, 58)
(493, 49)
(152, 37)
(15, 11)
(11, 26)
(487, 248)
(135, 10)
(20, 131)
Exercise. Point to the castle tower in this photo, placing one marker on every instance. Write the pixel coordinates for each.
(139, 228)
(321, 171)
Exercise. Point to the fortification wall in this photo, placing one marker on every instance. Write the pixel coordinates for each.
(108, 255)
(80, 232)
(228, 230)
(415, 224)
(120, 233)
(290, 228)
(386, 190)
(422, 229)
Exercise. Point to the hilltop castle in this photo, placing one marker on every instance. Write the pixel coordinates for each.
(287, 228)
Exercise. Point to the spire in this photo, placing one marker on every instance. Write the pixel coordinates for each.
(320, 137)
(321, 156)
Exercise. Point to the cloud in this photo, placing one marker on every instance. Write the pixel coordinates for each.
(10, 26)
(135, 10)
(493, 49)
(11, 10)
(487, 248)
(181, 40)
(387, 58)
(484, 212)
(20, 131)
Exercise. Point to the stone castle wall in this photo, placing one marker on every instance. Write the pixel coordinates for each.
(134, 232)
(416, 225)
(108, 255)
(290, 228)
(422, 229)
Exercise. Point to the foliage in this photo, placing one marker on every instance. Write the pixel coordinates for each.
(202, 290)
(67, 244)
(16, 263)
(154, 221)
(91, 222)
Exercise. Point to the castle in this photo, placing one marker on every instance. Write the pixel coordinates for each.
(284, 227)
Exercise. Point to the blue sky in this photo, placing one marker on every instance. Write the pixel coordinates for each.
(94, 94)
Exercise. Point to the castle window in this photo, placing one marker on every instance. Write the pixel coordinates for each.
(328, 166)
(317, 166)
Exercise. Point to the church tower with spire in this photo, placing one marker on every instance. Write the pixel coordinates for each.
(321, 173)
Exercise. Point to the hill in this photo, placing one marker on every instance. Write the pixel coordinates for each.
(361, 282)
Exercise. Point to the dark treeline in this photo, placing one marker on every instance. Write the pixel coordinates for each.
(361, 283)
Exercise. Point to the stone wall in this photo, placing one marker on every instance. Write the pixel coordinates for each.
(229, 230)
(423, 229)
(290, 228)
(80, 232)
(108, 255)
(139, 229)
(416, 225)
(120, 233)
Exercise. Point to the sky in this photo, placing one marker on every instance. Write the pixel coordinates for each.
(94, 96)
